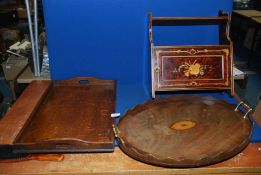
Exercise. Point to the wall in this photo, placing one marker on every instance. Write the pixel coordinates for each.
(109, 39)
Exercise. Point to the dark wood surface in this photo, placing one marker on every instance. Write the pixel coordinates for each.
(183, 131)
(247, 162)
(73, 116)
(15, 119)
(213, 59)
(192, 67)
(222, 20)
(172, 21)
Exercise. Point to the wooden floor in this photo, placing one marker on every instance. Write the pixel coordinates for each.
(248, 162)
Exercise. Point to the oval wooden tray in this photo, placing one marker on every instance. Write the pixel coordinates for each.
(183, 131)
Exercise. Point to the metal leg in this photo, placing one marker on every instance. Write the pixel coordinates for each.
(36, 37)
(32, 38)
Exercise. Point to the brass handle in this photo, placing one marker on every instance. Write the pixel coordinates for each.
(117, 132)
(247, 107)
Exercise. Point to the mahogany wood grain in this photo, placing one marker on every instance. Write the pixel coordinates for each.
(190, 58)
(183, 131)
(74, 116)
(194, 67)
(247, 162)
(14, 121)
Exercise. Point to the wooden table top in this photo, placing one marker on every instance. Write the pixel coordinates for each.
(257, 19)
(248, 13)
(249, 162)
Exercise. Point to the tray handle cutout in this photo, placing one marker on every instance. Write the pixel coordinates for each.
(247, 107)
(84, 81)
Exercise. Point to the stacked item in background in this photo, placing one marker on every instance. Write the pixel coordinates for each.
(45, 71)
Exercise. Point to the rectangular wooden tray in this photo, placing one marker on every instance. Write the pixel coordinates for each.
(72, 116)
